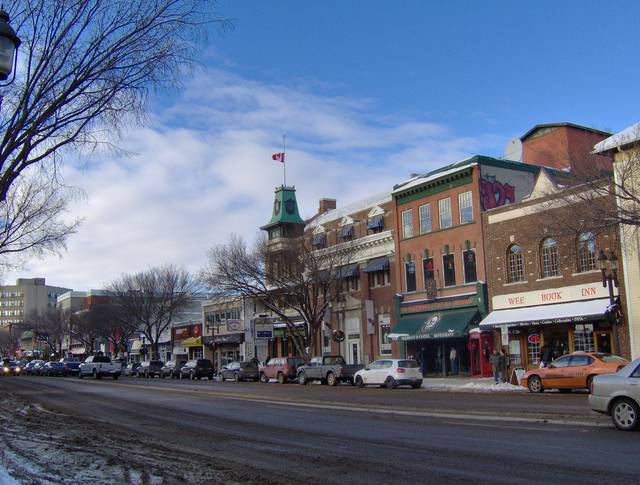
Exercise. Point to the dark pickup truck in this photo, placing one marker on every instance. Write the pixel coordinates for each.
(329, 369)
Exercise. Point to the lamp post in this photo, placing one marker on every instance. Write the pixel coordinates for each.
(9, 43)
(608, 265)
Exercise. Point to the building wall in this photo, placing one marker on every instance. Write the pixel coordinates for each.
(26, 296)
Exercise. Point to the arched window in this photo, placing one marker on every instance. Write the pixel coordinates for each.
(515, 264)
(549, 258)
(586, 252)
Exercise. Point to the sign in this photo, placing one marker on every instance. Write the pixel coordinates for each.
(368, 307)
(234, 325)
(533, 338)
(264, 334)
(504, 334)
(430, 323)
(564, 294)
(264, 329)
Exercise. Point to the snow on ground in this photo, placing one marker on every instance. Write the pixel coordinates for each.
(464, 384)
(5, 478)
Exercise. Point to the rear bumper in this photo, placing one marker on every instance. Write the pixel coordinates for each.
(599, 404)
(409, 382)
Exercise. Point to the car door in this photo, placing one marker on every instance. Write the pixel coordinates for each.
(554, 376)
(578, 371)
(386, 369)
(369, 373)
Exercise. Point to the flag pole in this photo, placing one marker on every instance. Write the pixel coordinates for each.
(284, 161)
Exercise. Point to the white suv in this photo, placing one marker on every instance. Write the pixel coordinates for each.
(390, 373)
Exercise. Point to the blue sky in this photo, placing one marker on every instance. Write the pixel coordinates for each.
(367, 93)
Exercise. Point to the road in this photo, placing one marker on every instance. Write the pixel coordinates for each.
(269, 433)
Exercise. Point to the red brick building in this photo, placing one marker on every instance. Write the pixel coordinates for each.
(544, 280)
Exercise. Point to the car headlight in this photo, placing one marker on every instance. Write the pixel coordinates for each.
(18, 369)
(6, 369)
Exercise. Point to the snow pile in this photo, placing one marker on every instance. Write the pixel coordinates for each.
(5, 478)
(469, 385)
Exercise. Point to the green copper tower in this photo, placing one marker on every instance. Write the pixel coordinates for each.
(285, 219)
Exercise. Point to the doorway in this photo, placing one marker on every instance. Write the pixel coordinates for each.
(604, 342)
(353, 352)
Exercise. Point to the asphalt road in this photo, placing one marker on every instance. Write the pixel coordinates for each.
(269, 433)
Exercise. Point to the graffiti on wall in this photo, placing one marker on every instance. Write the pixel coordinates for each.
(494, 193)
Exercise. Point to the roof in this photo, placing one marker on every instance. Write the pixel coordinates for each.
(625, 137)
(352, 208)
(557, 125)
(285, 208)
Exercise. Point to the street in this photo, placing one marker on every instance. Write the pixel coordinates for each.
(159, 431)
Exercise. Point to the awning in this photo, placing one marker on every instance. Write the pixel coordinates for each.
(192, 342)
(576, 311)
(346, 231)
(376, 222)
(136, 346)
(434, 325)
(348, 271)
(226, 339)
(319, 239)
(378, 264)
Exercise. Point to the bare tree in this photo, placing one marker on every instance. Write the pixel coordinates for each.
(149, 300)
(7, 342)
(297, 282)
(50, 326)
(85, 69)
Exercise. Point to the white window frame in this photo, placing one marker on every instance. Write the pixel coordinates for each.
(407, 223)
(465, 198)
(425, 212)
(445, 204)
(384, 320)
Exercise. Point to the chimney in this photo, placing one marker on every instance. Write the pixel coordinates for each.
(326, 205)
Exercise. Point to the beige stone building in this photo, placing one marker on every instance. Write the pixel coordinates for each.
(26, 296)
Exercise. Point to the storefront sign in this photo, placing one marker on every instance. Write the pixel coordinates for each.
(234, 325)
(504, 334)
(565, 294)
(533, 338)
(264, 330)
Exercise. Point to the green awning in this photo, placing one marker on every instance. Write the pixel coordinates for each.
(433, 325)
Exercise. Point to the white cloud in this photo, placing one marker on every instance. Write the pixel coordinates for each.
(203, 169)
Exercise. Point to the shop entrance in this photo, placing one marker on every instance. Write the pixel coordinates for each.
(604, 342)
(434, 356)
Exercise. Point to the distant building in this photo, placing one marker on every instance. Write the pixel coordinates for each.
(28, 295)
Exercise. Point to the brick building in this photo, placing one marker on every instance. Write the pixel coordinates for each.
(440, 258)
(544, 280)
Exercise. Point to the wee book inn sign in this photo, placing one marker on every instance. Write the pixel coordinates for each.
(565, 294)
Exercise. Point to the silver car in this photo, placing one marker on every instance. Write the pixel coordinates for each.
(618, 395)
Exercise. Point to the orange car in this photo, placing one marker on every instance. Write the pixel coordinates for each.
(572, 371)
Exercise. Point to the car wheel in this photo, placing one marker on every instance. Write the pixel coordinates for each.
(236, 377)
(115, 377)
(625, 414)
(302, 378)
(80, 375)
(417, 385)
(390, 383)
(192, 376)
(534, 383)
(95, 374)
(332, 380)
(147, 375)
(359, 382)
(263, 378)
(281, 379)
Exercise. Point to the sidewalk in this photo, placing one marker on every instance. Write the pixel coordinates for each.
(468, 384)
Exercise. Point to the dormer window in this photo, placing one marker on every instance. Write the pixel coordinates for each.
(346, 232)
(319, 240)
(376, 223)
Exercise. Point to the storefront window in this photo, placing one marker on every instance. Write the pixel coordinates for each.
(583, 338)
(533, 351)
(449, 267)
(385, 330)
(515, 352)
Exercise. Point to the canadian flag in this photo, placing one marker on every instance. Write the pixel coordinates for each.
(278, 156)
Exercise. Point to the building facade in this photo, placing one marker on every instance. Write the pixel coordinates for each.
(28, 295)
(545, 283)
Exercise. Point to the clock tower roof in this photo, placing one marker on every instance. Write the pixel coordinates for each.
(285, 208)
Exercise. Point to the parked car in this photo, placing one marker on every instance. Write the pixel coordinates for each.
(618, 395)
(390, 373)
(99, 366)
(36, 370)
(197, 369)
(283, 369)
(11, 368)
(330, 369)
(572, 371)
(53, 368)
(241, 371)
(131, 369)
(150, 368)
(71, 365)
(172, 369)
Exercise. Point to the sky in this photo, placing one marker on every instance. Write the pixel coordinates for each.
(367, 92)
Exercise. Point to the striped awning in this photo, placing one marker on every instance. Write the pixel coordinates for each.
(348, 271)
(346, 231)
(376, 222)
(378, 264)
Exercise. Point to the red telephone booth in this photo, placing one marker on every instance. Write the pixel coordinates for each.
(480, 349)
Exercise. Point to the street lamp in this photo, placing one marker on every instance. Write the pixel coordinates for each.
(610, 280)
(9, 43)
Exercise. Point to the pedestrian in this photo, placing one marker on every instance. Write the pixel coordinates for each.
(497, 362)
(546, 355)
(453, 358)
(439, 361)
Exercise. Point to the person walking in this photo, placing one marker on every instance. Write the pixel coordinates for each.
(497, 362)
(453, 358)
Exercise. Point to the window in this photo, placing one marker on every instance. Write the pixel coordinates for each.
(515, 354)
(586, 252)
(469, 260)
(385, 330)
(444, 206)
(561, 362)
(583, 338)
(351, 283)
(549, 258)
(407, 223)
(346, 232)
(449, 269)
(410, 274)
(533, 352)
(425, 218)
(580, 360)
(428, 270)
(379, 278)
(465, 204)
(515, 264)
